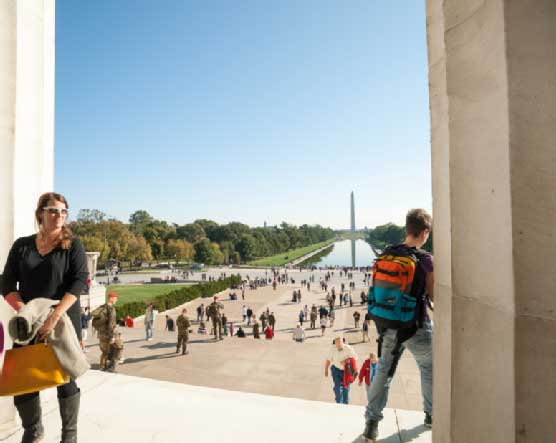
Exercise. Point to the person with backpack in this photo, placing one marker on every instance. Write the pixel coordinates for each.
(402, 288)
(183, 325)
(104, 321)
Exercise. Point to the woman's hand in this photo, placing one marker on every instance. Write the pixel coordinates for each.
(48, 326)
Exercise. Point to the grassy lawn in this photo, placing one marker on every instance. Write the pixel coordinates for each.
(289, 256)
(130, 293)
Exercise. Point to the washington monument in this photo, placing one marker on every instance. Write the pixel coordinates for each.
(352, 213)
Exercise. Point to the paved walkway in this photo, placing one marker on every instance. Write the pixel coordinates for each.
(119, 408)
(279, 367)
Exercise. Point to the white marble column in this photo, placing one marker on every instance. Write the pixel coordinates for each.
(26, 127)
(492, 71)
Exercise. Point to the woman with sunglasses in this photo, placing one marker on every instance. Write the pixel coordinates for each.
(50, 264)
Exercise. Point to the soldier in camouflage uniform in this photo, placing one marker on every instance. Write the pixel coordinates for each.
(214, 312)
(106, 328)
(116, 350)
(183, 325)
(264, 319)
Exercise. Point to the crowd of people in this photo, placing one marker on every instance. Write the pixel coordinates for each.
(51, 267)
(377, 369)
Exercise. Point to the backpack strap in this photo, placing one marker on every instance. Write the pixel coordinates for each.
(402, 335)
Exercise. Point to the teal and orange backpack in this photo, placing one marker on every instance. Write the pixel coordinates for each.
(393, 303)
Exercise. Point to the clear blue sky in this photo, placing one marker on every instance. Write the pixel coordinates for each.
(246, 111)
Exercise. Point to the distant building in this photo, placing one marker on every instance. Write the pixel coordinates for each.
(352, 213)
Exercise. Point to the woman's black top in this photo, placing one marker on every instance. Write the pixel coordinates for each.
(49, 276)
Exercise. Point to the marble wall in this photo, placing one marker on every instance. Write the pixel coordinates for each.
(26, 128)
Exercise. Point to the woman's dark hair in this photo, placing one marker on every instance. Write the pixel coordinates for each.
(66, 235)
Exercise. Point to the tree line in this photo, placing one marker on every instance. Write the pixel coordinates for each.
(391, 234)
(145, 238)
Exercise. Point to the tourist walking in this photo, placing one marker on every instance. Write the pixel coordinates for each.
(323, 323)
(368, 372)
(224, 321)
(244, 313)
(249, 316)
(356, 318)
(299, 333)
(148, 321)
(342, 363)
(418, 337)
(200, 312)
(256, 330)
(264, 320)
(306, 312)
(85, 318)
(272, 320)
(363, 297)
(365, 330)
(313, 318)
(301, 316)
(269, 333)
(183, 325)
(169, 324)
(50, 264)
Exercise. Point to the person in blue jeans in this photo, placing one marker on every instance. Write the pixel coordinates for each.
(336, 361)
(149, 321)
(418, 227)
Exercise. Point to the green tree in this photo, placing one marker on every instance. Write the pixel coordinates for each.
(179, 250)
(90, 216)
(139, 220)
(138, 249)
(247, 247)
(191, 232)
(92, 243)
(204, 252)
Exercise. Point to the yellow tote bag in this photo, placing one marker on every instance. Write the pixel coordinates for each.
(29, 369)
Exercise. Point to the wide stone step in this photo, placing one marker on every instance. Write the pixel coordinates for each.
(120, 408)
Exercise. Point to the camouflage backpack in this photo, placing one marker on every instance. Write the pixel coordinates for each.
(212, 310)
(100, 318)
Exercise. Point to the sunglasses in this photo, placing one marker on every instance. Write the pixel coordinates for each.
(53, 210)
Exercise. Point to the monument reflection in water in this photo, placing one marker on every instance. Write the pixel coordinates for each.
(349, 253)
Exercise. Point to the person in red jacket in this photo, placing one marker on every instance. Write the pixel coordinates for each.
(269, 333)
(368, 371)
(341, 354)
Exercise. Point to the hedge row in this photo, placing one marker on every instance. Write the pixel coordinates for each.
(178, 297)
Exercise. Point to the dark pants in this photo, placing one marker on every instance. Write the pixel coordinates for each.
(64, 391)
